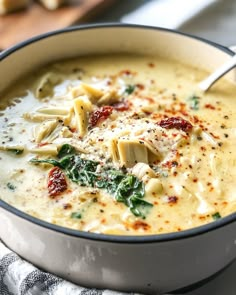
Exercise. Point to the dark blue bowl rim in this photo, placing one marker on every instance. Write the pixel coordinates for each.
(104, 237)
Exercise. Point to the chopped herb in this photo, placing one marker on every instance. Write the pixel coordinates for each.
(76, 215)
(125, 188)
(216, 216)
(194, 102)
(11, 186)
(130, 89)
(16, 151)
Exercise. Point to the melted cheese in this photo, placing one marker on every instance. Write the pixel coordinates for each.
(188, 175)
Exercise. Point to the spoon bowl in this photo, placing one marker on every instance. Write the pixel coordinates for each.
(220, 72)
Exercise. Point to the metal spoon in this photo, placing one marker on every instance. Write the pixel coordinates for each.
(225, 68)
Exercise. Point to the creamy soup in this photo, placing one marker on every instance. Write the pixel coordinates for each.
(119, 145)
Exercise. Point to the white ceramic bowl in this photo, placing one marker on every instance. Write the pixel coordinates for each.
(148, 264)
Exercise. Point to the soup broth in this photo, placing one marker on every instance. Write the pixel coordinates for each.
(119, 144)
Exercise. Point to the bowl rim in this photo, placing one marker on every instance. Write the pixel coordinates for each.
(165, 237)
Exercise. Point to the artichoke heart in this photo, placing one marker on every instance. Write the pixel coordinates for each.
(46, 85)
(49, 149)
(93, 94)
(81, 108)
(132, 152)
(50, 113)
(113, 150)
(43, 130)
(109, 98)
(142, 170)
(14, 148)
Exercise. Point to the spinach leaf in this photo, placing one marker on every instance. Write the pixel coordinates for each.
(125, 188)
(66, 150)
(48, 161)
(194, 102)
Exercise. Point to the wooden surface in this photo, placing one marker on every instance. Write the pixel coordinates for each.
(18, 26)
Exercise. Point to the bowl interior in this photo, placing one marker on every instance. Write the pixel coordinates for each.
(104, 39)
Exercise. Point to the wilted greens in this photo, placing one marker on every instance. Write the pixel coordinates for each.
(125, 188)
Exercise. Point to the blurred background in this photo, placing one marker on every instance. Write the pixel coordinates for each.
(211, 19)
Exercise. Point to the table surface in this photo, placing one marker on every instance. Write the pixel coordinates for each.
(217, 23)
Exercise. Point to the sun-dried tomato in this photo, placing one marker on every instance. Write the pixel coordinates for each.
(121, 106)
(56, 182)
(100, 115)
(176, 122)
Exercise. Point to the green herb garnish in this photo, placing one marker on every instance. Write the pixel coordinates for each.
(216, 216)
(130, 89)
(125, 188)
(194, 102)
(16, 151)
(76, 215)
(11, 186)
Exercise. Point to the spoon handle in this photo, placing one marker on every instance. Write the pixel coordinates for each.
(209, 81)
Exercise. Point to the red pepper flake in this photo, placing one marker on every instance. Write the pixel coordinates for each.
(121, 106)
(167, 164)
(196, 119)
(215, 136)
(102, 204)
(176, 122)
(73, 130)
(103, 220)
(202, 217)
(140, 86)
(140, 225)
(151, 65)
(149, 99)
(56, 182)
(100, 115)
(127, 73)
(209, 106)
(67, 206)
(172, 199)
(42, 144)
(195, 180)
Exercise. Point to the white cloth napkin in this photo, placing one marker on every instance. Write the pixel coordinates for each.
(18, 277)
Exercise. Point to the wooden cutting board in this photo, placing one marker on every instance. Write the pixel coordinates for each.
(18, 26)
